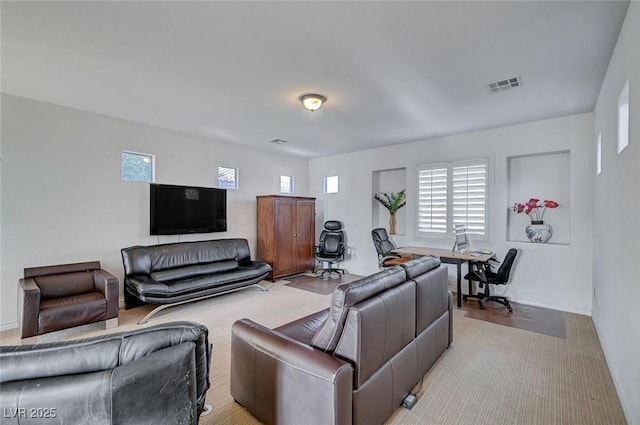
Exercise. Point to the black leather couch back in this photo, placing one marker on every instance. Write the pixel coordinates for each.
(158, 374)
(143, 260)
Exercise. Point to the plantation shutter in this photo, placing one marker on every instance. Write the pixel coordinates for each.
(469, 196)
(432, 200)
(453, 193)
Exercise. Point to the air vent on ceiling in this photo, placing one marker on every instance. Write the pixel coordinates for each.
(507, 83)
(277, 141)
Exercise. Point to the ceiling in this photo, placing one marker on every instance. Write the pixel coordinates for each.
(392, 71)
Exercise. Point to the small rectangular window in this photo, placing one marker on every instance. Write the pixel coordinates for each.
(286, 184)
(330, 184)
(623, 118)
(137, 167)
(227, 177)
(599, 154)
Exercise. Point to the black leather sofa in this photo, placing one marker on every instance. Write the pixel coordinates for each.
(155, 375)
(170, 274)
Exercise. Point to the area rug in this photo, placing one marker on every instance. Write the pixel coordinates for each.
(317, 285)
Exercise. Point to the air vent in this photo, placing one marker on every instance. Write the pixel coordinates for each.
(507, 83)
(277, 141)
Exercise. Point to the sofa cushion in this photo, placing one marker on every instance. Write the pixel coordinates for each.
(432, 294)
(419, 266)
(377, 329)
(172, 402)
(192, 271)
(303, 330)
(62, 285)
(151, 288)
(67, 312)
(347, 295)
(169, 256)
(77, 399)
(143, 260)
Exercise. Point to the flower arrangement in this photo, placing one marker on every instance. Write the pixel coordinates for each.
(393, 202)
(534, 210)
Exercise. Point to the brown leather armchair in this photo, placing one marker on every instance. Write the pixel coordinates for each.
(52, 298)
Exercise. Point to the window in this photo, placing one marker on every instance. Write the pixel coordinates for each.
(453, 193)
(227, 177)
(623, 118)
(137, 167)
(599, 154)
(330, 184)
(286, 184)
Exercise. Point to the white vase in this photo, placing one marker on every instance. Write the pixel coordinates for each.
(538, 232)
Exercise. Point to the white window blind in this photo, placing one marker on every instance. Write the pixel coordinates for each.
(469, 185)
(453, 193)
(432, 200)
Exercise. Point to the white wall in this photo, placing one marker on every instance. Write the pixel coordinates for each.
(553, 276)
(63, 199)
(616, 230)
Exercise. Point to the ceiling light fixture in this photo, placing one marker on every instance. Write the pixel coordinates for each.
(312, 101)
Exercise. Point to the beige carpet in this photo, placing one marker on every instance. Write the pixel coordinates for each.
(491, 375)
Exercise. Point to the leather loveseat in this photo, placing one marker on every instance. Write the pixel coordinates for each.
(155, 375)
(353, 363)
(170, 274)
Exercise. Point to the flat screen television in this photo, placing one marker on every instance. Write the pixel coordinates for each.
(176, 210)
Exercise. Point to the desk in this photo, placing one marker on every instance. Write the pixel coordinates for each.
(446, 256)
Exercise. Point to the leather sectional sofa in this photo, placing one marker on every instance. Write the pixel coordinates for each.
(155, 375)
(353, 363)
(170, 274)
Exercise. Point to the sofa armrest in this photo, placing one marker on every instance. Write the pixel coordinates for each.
(109, 286)
(28, 307)
(280, 380)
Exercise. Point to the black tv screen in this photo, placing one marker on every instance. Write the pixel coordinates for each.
(177, 210)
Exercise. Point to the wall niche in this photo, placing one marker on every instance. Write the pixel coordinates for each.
(392, 180)
(542, 176)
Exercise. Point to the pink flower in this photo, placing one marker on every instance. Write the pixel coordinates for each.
(533, 203)
(532, 208)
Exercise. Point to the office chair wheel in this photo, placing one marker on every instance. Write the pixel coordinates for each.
(510, 309)
(482, 306)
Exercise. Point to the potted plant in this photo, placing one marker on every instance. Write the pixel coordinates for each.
(537, 231)
(393, 202)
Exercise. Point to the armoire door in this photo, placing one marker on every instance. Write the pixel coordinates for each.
(305, 234)
(286, 230)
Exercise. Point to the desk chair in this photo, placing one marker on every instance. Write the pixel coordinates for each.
(384, 246)
(330, 248)
(482, 272)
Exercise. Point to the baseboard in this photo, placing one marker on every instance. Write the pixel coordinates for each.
(8, 325)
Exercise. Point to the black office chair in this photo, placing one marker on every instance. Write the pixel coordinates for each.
(330, 248)
(482, 272)
(384, 245)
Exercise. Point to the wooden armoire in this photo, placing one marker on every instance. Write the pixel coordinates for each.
(286, 233)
